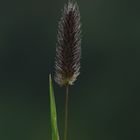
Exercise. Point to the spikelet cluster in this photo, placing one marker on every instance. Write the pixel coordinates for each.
(68, 50)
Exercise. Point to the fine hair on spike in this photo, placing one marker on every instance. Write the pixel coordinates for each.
(68, 50)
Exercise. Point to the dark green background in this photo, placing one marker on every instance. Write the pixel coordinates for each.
(105, 100)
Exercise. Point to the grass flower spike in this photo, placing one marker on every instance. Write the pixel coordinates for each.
(68, 51)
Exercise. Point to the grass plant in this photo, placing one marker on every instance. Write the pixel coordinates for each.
(67, 60)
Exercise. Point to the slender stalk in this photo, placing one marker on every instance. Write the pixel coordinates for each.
(66, 113)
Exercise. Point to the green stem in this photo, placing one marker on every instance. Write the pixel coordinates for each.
(66, 113)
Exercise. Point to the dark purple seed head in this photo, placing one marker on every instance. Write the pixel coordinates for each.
(68, 51)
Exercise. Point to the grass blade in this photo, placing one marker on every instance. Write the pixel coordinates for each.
(55, 133)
